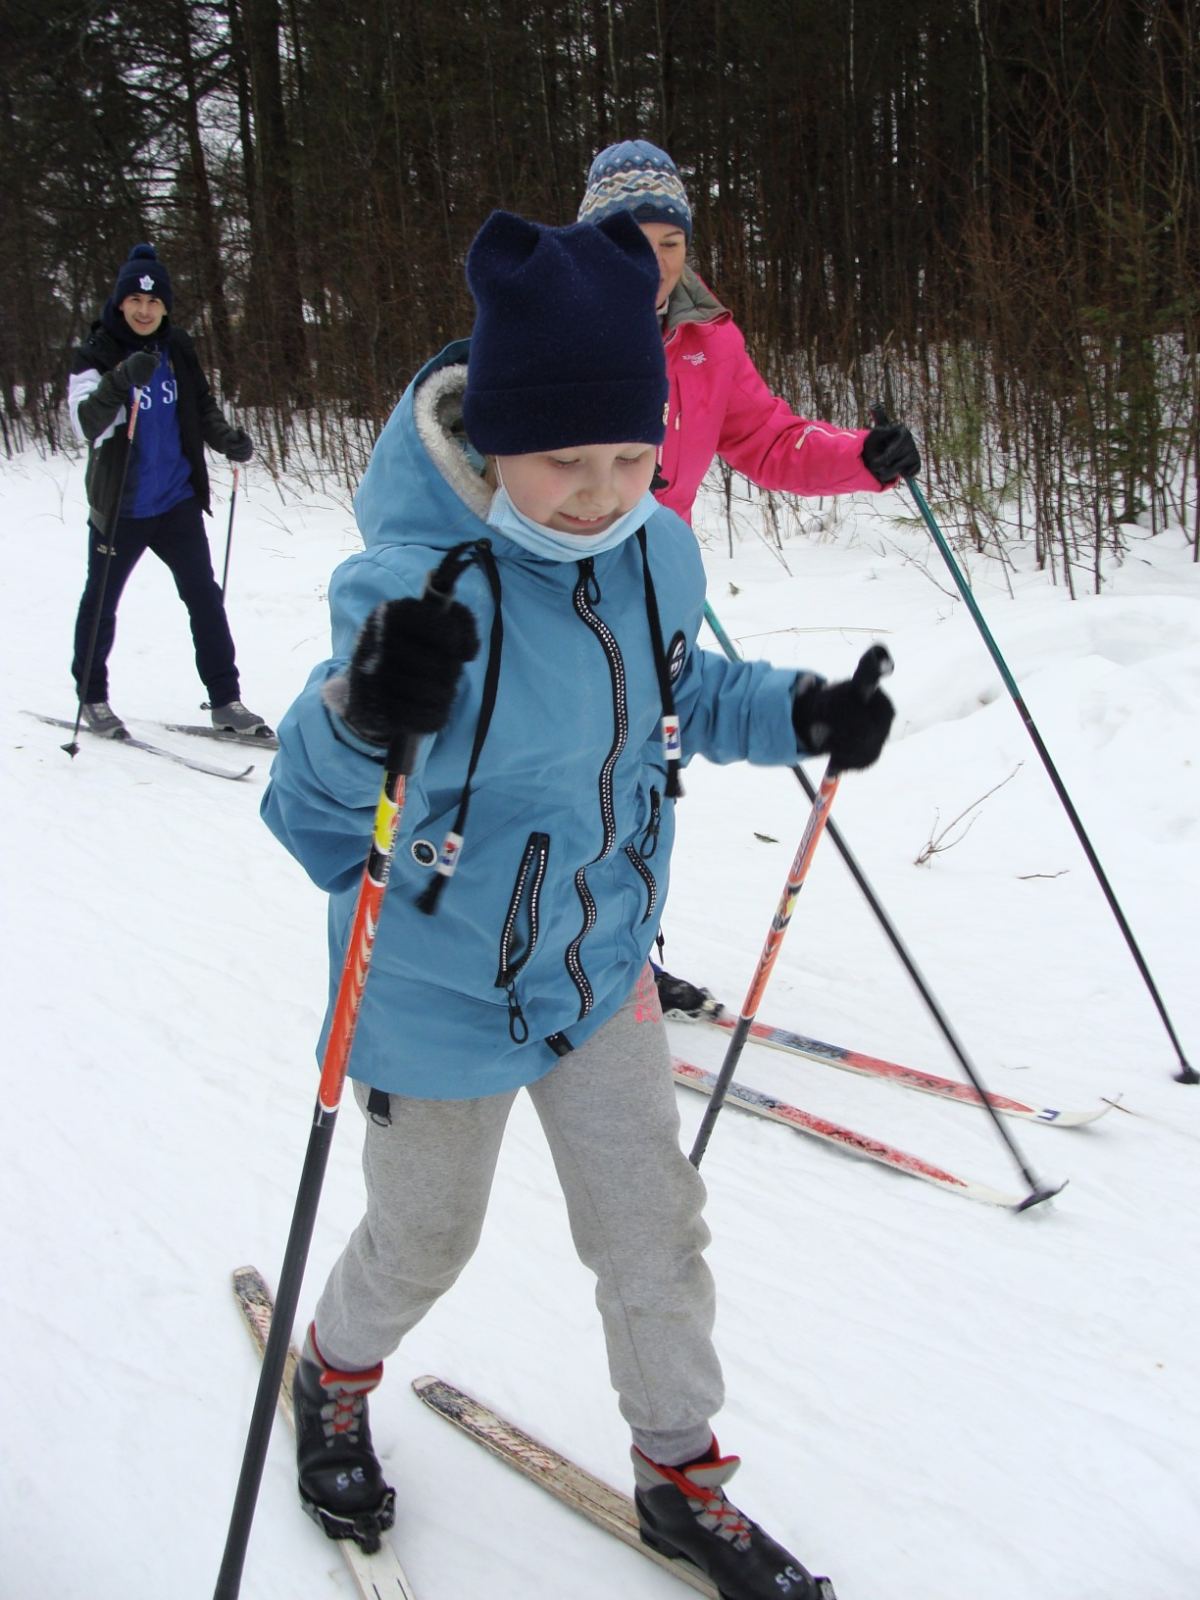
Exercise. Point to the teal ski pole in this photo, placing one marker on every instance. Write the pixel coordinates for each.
(1186, 1073)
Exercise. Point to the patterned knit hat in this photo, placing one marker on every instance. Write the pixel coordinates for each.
(566, 348)
(637, 177)
(143, 273)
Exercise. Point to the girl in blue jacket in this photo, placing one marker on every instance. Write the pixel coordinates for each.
(564, 690)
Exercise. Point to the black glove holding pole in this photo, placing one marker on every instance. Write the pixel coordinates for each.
(406, 667)
(889, 451)
(135, 371)
(239, 446)
(848, 721)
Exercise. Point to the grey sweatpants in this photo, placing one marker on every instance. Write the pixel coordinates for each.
(633, 1199)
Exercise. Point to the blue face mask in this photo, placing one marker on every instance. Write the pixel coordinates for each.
(554, 546)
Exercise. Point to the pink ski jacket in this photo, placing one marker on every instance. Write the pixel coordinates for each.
(719, 405)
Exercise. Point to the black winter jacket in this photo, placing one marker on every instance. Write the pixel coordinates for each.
(201, 420)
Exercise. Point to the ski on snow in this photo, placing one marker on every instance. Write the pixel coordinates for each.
(200, 730)
(568, 1482)
(379, 1576)
(859, 1144)
(151, 749)
(836, 1055)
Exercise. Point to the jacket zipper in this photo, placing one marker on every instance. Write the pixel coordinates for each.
(519, 935)
(641, 853)
(586, 594)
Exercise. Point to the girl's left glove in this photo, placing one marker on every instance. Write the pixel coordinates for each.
(406, 667)
(834, 719)
(239, 446)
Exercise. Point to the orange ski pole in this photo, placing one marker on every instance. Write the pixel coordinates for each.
(356, 965)
(876, 663)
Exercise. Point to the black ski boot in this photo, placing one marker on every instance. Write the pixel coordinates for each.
(681, 999)
(341, 1481)
(683, 1512)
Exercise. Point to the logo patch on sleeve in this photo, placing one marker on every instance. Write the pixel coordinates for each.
(676, 656)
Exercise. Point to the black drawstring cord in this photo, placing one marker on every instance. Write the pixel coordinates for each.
(442, 582)
(480, 552)
(672, 747)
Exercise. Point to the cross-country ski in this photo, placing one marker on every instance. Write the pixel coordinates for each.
(566, 1480)
(834, 1055)
(758, 1104)
(378, 1576)
(199, 730)
(132, 743)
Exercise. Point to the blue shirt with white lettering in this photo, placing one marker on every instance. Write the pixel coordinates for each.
(159, 474)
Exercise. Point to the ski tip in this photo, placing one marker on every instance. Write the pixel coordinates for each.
(427, 1385)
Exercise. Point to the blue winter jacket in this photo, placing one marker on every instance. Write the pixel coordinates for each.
(547, 922)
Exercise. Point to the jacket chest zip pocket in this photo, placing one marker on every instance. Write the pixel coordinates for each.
(519, 936)
(640, 854)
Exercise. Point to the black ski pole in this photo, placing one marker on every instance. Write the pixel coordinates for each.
(229, 532)
(876, 663)
(1186, 1073)
(356, 966)
(110, 542)
(1037, 1191)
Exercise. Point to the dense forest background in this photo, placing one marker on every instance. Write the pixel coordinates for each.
(986, 210)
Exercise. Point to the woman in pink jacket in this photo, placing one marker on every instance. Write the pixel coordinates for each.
(718, 403)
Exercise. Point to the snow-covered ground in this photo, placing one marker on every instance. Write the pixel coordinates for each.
(933, 1398)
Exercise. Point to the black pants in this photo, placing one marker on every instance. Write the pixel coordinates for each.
(177, 537)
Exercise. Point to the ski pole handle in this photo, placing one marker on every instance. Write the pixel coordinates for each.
(874, 664)
(879, 416)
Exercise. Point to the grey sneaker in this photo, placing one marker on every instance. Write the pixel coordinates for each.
(102, 719)
(237, 719)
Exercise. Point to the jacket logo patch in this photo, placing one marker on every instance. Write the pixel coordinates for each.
(698, 359)
(676, 656)
(424, 853)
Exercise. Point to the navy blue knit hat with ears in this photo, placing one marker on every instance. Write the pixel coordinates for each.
(566, 348)
(636, 176)
(143, 273)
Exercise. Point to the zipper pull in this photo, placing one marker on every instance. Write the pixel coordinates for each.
(518, 1028)
(648, 843)
(587, 577)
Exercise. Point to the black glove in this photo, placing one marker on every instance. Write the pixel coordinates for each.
(239, 446)
(406, 665)
(135, 371)
(890, 452)
(837, 720)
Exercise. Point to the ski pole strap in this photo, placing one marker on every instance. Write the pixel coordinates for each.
(441, 583)
(379, 1108)
(672, 744)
